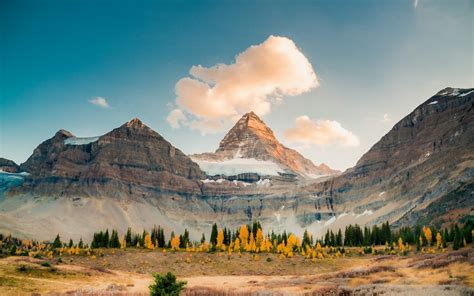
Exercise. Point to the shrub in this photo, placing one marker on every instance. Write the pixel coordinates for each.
(46, 264)
(166, 285)
(22, 268)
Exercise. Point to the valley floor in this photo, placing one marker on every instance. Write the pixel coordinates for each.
(126, 272)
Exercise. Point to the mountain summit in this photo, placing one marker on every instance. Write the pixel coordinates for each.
(251, 138)
(132, 157)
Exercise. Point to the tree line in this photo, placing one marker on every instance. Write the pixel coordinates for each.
(352, 236)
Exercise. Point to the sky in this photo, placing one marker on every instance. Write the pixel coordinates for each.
(329, 77)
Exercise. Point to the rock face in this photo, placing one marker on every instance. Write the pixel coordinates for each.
(426, 156)
(251, 138)
(129, 160)
(8, 166)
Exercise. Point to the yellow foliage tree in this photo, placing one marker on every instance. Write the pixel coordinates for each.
(175, 242)
(147, 242)
(318, 247)
(220, 238)
(439, 240)
(123, 243)
(237, 244)
(401, 246)
(428, 235)
(259, 238)
(291, 242)
(244, 235)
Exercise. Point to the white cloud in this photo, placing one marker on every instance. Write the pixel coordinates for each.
(415, 3)
(261, 75)
(176, 118)
(321, 133)
(386, 118)
(99, 101)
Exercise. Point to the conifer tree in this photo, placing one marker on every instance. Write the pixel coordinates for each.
(57, 242)
(128, 237)
(114, 240)
(213, 240)
(81, 244)
(105, 239)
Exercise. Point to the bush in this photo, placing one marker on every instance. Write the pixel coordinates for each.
(22, 268)
(46, 264)
(166, 285)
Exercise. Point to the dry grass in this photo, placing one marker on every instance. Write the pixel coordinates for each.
(128, 272)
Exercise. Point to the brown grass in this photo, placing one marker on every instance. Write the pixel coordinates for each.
(129, 272)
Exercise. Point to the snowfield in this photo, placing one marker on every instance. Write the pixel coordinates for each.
(237, 166)
(80, 141)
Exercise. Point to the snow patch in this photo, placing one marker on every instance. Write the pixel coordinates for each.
(381, 193)
(365, 213)
(236, 183)
(342, 215)
(80, 141)
(263, 182)
(465, 94)
(433, 103)
(330, 221)
(213, 181)
(237, 166)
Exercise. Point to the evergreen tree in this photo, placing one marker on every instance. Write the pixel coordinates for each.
(161, 238)
(339, 238)
(284, 237)
(213, 240)
(105, 239)
(57, 242)
(114, 240)
(467, 231)
(71, 243)
(81, 244)
(327, 238)
(306, 239)
(457, 241)
(203, 238)
(128, 238)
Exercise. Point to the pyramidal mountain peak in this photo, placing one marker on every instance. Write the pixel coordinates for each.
(135, 123)
(251, 138)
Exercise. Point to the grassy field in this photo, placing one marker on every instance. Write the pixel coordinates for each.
(112, 272)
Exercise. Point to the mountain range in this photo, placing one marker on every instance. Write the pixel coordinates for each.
(420, 171)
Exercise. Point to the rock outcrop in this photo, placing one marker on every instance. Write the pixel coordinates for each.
(9, 166)
(251, 138)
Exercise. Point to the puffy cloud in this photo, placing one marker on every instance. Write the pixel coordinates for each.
(320, 132)
(99, 101)
(260, 76)
(176, 118)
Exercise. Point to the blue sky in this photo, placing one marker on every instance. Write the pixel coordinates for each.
(372, 58)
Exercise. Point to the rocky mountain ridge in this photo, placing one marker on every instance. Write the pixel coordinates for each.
(131, 157)
(421, 170)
